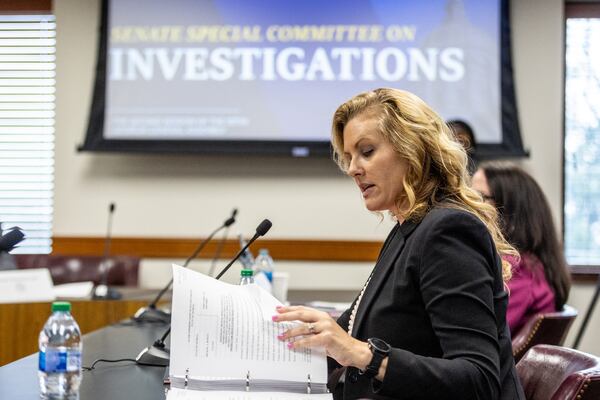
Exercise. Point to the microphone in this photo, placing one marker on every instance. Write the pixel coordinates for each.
(8, 241)
(228, 222)
(158, 354)
(153, 314)
(103, 291)
(261, 230)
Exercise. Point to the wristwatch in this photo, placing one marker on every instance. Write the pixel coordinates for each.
(380, 350)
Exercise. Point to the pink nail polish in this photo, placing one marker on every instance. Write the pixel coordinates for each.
(278, 307)
(280, 337)
(290, 345)
(275, 317)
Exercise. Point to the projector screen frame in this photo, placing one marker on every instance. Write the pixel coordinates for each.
(511, 145)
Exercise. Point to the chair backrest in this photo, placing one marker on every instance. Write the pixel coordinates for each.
(123, 270)
(557, 373)
(544, 328)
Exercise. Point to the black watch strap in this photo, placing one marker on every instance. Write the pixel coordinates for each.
(380, 350)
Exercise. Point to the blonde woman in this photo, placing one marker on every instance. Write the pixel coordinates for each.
(430, 321)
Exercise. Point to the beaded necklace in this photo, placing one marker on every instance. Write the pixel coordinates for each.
(355, 308)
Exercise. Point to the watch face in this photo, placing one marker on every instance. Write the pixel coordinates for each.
(379, 345)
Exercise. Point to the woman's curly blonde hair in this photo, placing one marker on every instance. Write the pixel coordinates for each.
(437, 164)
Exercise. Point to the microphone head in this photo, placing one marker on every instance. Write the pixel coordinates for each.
(11, 239)
(111, 207)
(263, 227)
(229, 221)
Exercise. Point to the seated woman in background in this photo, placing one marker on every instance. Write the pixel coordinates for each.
(466, 137)
(540, 281)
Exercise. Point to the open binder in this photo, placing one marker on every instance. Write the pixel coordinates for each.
(248, 385)
(223, 339)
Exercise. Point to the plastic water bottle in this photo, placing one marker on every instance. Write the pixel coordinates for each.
(264, 263)
(246, 276)
(60, 355)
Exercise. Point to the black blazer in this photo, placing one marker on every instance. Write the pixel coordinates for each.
(437, 297)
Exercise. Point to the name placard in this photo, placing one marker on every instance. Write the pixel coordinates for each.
(26, 286)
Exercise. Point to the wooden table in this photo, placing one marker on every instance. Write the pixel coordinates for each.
(20, 323)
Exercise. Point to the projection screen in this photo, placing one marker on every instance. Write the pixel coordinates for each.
(256, 76)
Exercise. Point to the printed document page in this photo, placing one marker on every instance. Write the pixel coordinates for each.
(225, 332)
(182, 394)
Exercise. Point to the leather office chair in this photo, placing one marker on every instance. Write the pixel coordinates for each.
(123, 270)
(545, 328)
(557, 373)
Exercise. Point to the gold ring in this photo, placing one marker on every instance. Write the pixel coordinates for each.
(311, 328)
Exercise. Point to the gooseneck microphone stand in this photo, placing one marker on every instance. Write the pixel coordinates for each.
(158, 354)
(151, 313)
(217, 254)
(102, 291)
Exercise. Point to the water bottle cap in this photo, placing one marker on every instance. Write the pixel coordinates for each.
(247, 272)
(263, 251)
(61, 306)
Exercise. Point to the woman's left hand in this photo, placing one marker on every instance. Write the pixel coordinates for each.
(320, 330)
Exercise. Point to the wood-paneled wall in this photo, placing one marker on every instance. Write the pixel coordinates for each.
(25, 6)
(299, 250)
(280, 249)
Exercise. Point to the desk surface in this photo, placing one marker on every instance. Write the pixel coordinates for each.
(126, 380)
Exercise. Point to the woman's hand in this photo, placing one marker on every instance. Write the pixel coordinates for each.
(320, 330)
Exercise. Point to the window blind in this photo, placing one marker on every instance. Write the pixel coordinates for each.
(27, 99)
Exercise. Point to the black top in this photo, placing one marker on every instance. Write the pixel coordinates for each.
(437, 297)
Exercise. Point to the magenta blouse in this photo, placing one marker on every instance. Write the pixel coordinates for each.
(529, 294)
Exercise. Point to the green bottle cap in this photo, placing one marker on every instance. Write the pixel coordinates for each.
(247, 272)
(61, 306)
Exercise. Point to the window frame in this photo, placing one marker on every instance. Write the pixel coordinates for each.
(574, 9)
